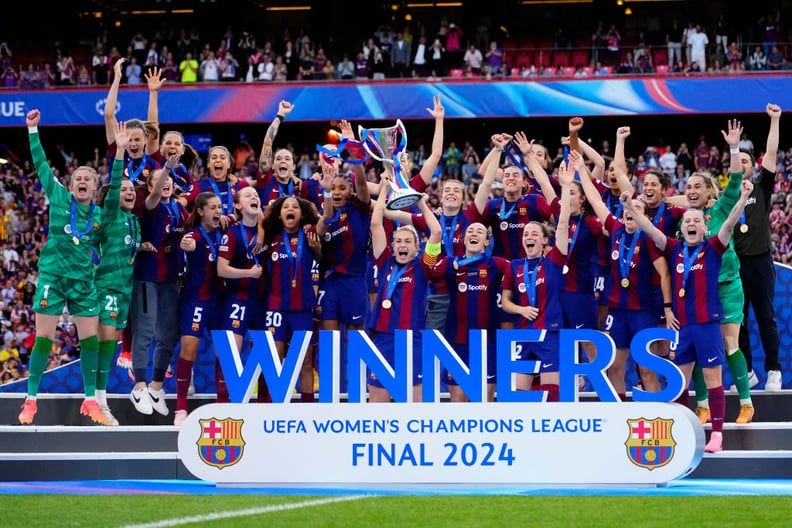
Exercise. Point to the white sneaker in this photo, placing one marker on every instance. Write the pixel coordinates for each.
(753, 380)
(111, 420)
(179, 417)
(158, 402)
(141, 400)
(773, 381)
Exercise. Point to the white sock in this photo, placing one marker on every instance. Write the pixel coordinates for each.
(101, 397)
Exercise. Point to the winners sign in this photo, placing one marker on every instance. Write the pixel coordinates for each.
(516, 441)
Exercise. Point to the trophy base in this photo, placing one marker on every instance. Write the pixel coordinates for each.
(402, 199)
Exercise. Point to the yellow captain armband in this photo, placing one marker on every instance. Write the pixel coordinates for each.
(433, 249)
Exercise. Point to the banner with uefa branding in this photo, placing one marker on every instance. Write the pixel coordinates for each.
(443, 444)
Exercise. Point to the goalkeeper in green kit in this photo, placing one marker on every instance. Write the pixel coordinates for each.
(66, 273)
(119, 241)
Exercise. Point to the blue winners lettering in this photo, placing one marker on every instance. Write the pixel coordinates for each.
(436, 352)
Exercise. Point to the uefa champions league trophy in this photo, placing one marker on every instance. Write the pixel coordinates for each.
(385, 145)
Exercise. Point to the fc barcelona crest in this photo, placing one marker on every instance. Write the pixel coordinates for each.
(221, 443)
(649, 443)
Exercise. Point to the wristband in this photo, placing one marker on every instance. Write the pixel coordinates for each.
(280, 116)
(327, 194)
(734, 151)
(32, 130)
(667, 305)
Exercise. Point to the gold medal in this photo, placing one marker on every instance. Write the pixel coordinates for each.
(681, 292)
(76, 241)
(744, 228)
(386, 304)
(294, 283)
(565, 270)
(625, 282)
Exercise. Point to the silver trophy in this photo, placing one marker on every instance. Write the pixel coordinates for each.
(385, 145)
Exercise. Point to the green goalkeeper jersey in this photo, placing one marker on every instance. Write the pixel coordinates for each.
(119, 239)
(716, 216)
(66, 253)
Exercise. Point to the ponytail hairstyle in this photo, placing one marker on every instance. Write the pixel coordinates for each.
(194, 220)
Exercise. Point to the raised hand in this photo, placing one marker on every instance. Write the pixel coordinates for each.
(284, 107)
(438, 112)
(623, 132)
(732, 137)
(122, 138)
(773, 110)
(154, 79)
(33, 118)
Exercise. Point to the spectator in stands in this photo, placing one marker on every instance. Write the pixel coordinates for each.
(437, 59)
(420, 60)
(614, 46)
(473, 60)
(758, 60)
(209, 69)
(698, 42)
(189, 69)
(453, 46)
(719, 55)
(776, 60)
(10, 77)
(66, 68)
(345, 69)
(100, 64)
(401, 53)
(673, 40)
(734, 57)
(361, 66)
(320, 61)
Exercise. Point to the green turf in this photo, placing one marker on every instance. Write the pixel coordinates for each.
(402, 511)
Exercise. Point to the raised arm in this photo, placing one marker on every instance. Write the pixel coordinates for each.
(492, 163)
(657, 236)
(566, 175)
(725, 232)
(770, 158)
(112, 101)
(529, 156)
(591, 192)
(160, 177)
(154, 81)
(329, 172)
(379, 240)
(431, 163)
(265, 158)
(620, 162)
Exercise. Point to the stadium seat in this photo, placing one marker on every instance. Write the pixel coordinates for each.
(561, 59)
(588, 70)
(662, 69)
(580, 58)
(568, 71)
(456, 72)
(659, 56)
(551, 71)
(515, 72)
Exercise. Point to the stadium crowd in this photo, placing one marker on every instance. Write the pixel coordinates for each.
(416, 49)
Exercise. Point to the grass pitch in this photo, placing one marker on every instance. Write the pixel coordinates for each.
(106, 511)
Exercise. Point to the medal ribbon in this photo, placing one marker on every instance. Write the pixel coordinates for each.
(529, 276)
(624, 262)
(503, 214)
(294, 256)
(250, 242)
(134, 173)
(73, 219)
(448, 233)
(574, 238)
(689, 260)
(213, 244)
(469, 260)
(228, 207)
(397, 272)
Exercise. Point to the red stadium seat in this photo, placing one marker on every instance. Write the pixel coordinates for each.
(588, 70)
(659, 56)
(580, 58)
(561, 59)
(662, 69)
(456, 72)
(568, 71)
